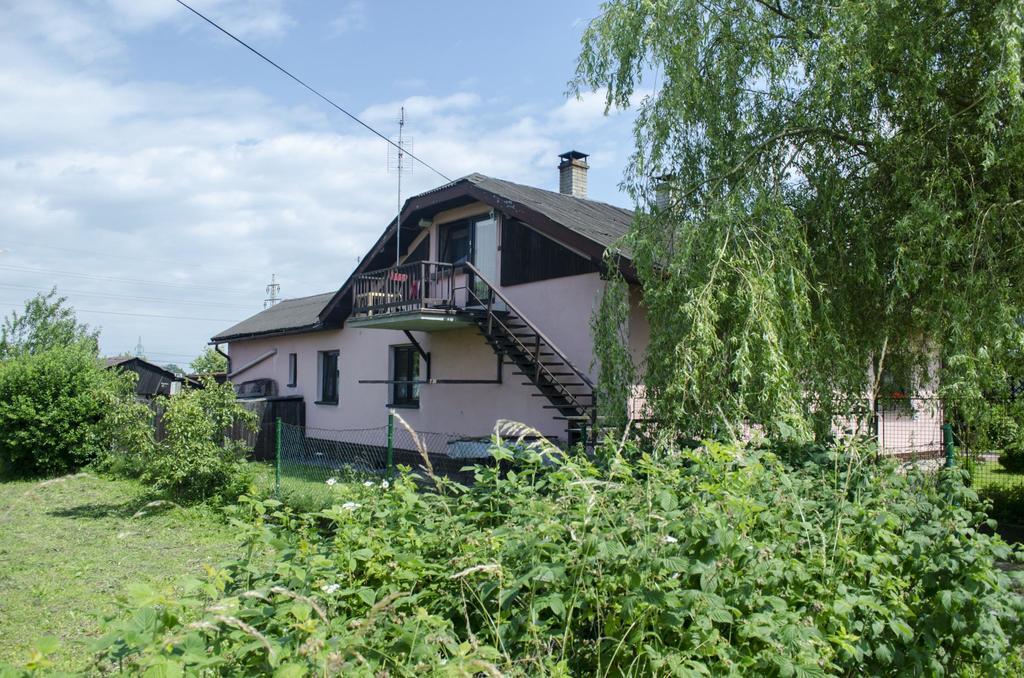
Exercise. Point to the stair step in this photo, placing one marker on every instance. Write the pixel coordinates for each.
(574, 395)
(547, 374)
(542, 362)
(563, 384)
(501, 338)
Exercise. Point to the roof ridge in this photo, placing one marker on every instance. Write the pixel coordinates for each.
(547, 190)
(308, 296)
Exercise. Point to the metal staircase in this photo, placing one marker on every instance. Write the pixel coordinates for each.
(522, 345)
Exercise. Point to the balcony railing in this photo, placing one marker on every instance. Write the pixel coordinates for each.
(424, 285)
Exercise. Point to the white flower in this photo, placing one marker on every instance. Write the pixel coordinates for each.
(350, 506)
(330, 588)
(385, 484)
(331, 481)
(368, 483)
(669, 539)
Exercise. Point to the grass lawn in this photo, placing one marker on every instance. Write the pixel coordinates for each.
(69, 547)
(306, 487)
(990, 475)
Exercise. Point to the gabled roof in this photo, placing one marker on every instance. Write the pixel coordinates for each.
(123, 361)
(288, 315)
(588, 227)
(600, 222)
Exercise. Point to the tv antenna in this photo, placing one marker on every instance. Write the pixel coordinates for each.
(273, 289)
(399, 164)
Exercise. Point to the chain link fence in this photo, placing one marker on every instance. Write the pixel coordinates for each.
(926, 433)
(309, 462)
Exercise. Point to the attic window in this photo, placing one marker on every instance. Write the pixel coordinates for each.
(455, 242)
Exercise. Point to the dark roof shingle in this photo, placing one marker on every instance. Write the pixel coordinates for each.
(286, 315)
(598, 221)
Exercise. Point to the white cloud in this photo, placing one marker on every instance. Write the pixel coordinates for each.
(91, 32)
(422, 107)
(214, 186)
(352, 17)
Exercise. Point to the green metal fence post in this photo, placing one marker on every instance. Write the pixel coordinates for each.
(947, 439)
(277, 457)
(391, 442)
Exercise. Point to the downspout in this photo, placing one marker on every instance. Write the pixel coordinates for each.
(216, 347)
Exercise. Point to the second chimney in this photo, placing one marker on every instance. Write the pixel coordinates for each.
(572, 174)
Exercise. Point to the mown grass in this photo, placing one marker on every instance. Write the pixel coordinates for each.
(1005, 490)
(990, 475)
(70, 546)
(306, 487)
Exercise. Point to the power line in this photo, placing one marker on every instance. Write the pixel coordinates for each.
(311, 89)
(139, 315)
(106, 295)
(153, 315)
(118, 256)
(26, 269)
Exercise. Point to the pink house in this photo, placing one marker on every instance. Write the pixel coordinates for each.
(476, 308)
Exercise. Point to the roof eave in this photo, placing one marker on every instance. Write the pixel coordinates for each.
(302, 329)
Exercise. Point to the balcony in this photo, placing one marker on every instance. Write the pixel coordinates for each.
(423, 296)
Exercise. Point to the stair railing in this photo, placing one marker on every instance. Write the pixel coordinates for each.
(493, 292)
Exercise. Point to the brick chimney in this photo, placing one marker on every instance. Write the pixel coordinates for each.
(663, 191)
(572, 174)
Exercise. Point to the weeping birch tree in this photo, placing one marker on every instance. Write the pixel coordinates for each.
(843, 189)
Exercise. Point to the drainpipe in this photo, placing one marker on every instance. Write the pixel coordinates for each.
(216, 347)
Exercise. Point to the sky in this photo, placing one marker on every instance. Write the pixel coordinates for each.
(157, 173)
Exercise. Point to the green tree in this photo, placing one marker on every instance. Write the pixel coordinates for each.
(47, 321)
(199, 459)
(842, 183)
(209, 361)
(60, 409)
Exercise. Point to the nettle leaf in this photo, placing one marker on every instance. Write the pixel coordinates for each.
(367, 595)
(555, 604)
(902, 629)
(667, 501)
(164, 668)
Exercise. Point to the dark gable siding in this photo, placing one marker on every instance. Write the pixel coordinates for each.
(421, 253)
(527, 256)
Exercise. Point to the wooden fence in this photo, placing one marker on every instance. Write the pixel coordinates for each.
(291, 410)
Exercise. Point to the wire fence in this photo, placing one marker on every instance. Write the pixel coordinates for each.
(309, 462)
(926, 433)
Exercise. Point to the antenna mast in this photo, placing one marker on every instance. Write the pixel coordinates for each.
(272, 291)
(398, 165)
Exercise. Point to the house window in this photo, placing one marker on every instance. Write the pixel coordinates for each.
(328, 378)
(405, 369)
(455, 242)
(293, 369)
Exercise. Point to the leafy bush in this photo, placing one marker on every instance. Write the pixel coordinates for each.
(691, 562)
(1012, 456)
(60, 409)
(198, 459)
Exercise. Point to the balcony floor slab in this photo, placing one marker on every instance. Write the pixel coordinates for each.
(418, 321)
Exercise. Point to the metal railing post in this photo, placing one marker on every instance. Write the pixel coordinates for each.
(277, 457)
(947, 439)
(391, 443)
